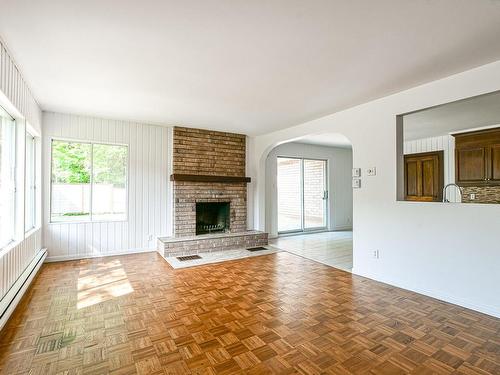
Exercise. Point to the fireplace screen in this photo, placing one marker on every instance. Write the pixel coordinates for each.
(212, 217)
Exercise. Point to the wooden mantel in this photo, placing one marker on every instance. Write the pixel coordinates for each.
(208, 178)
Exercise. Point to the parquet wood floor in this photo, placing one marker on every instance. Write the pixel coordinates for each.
(274, 314)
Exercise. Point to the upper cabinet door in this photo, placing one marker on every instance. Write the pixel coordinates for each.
(477, 157)
(430, 178)
(494, 163)
(412, 180)
(424, 176)
(471, 164)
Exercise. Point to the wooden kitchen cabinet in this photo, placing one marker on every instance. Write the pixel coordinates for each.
(424, 176)
(494, 164)
(477, 158)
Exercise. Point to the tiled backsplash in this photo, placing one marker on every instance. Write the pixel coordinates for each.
(484, 194)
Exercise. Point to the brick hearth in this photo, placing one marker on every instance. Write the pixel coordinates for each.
(174, 247)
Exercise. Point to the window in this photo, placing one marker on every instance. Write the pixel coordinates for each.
(89, 181)
(7, 177)
(30, 197)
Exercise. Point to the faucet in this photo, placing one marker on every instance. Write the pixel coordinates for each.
(460, 189)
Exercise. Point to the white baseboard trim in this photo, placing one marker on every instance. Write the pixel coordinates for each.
(64, 258)
(10, 301)
(482, 308)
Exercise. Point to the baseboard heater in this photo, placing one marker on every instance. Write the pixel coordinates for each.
(10, 301)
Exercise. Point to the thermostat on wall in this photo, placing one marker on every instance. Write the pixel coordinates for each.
(356, 172)
(356, 183)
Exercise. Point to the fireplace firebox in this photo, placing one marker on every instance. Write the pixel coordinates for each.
(212, 217)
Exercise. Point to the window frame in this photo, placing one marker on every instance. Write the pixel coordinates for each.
(32, 189)
(16, 182)
(91, 143)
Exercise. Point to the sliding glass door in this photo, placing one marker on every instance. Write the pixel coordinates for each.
(302, 194)
(289, 194)
(315, 194)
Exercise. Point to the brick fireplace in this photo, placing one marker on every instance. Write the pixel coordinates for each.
(188, 193)
(209, 171)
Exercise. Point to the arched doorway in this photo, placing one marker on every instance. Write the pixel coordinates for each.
(309, 198)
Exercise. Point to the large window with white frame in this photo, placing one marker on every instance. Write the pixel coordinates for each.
(30, 182)
(88, 181)
(7, 178)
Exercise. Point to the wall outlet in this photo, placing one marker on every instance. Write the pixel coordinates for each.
(371, 171)
(376, 254)
(472, 196)
(356, 172)
(356, 183)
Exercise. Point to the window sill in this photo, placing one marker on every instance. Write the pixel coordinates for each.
(4, 250)
(13, 244)
(31, 231)
(87, 222)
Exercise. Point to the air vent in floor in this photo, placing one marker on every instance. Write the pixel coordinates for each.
(188, 257)
(258, 248)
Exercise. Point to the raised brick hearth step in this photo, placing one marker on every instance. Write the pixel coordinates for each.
(180, 246)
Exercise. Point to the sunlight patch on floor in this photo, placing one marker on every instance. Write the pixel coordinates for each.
(102, 283)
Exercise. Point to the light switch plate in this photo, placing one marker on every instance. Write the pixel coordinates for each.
(356, 172)
(356, 183)
(371, 171)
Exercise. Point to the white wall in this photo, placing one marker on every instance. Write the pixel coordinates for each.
(445, 143)
(449, 251)
(339, 181)
(148, 189)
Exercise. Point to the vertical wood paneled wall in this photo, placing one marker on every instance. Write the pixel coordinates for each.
(14, 262)
(444, 143)
(16, 94)
(148, 189)
(16, 90)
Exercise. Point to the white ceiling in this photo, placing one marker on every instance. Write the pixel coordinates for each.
(477, 112)
(238, 65)
(329, 140)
